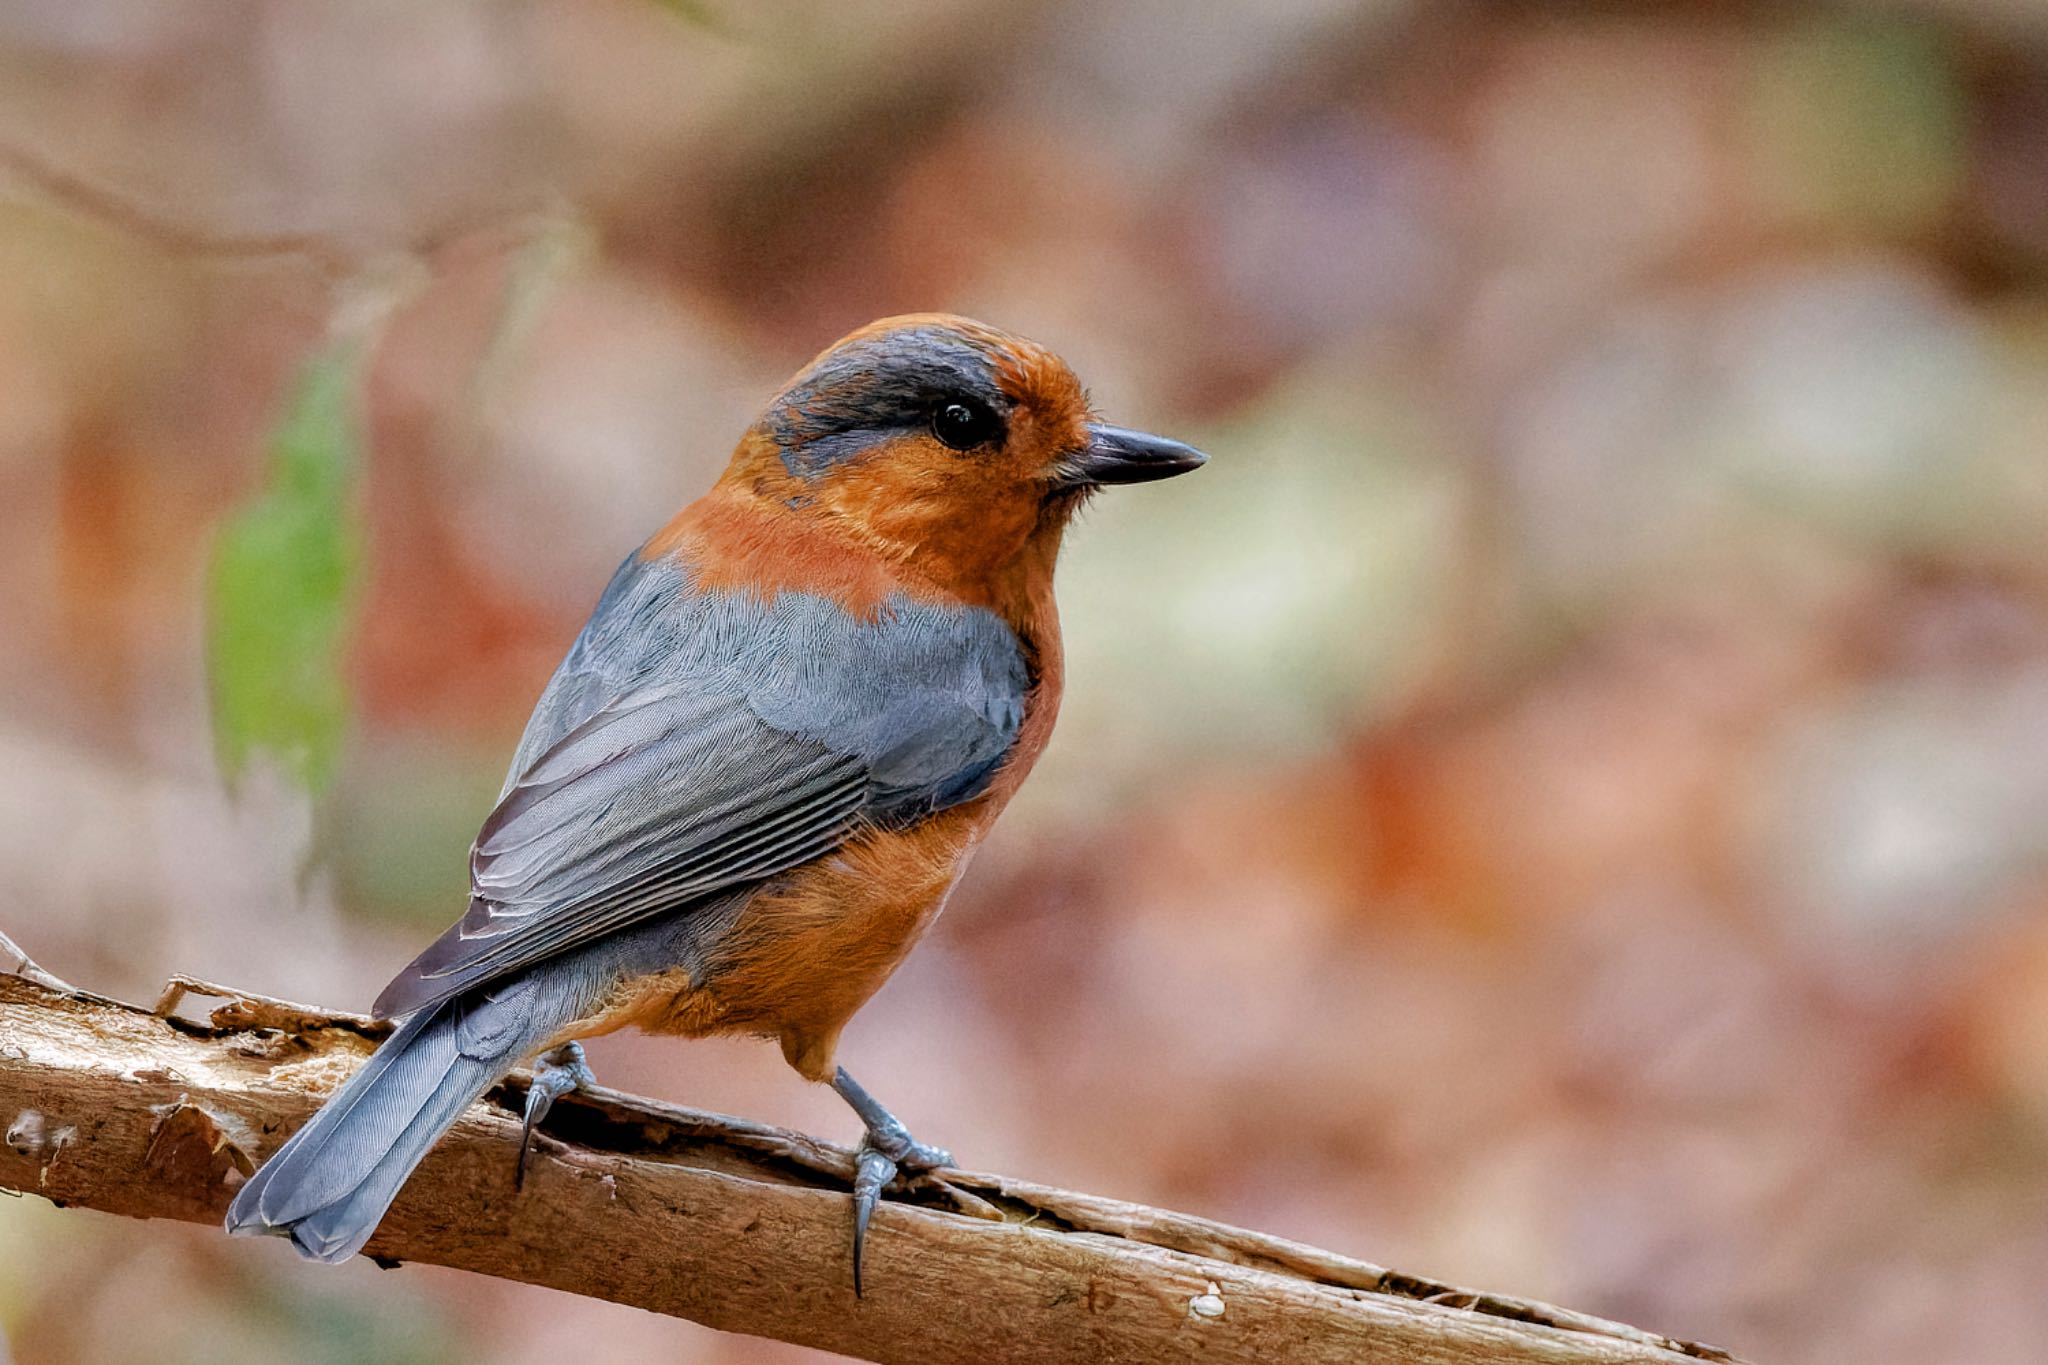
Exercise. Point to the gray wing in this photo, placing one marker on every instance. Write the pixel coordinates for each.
(693, 742)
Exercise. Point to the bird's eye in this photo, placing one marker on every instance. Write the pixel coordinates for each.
(964, 424)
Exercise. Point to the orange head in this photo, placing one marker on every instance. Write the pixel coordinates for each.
(955, 451)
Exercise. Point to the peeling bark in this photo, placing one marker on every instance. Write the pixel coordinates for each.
(737, 1225)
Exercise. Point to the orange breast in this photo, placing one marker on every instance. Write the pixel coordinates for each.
(812, 947)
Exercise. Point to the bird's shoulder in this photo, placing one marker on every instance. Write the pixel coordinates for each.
(926, 693)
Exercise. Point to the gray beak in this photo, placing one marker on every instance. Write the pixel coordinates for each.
(1118, 455)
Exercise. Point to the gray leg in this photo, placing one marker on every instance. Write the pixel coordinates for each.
(887, 1146)
(555, 1073)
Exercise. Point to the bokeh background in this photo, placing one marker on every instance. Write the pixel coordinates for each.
(1560, 804)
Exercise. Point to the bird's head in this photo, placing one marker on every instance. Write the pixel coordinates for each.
(944, 444)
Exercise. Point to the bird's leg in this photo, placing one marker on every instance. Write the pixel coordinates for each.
(885, 1148)
(555, 1073)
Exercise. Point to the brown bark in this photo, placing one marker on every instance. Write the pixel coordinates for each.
(736, 1225)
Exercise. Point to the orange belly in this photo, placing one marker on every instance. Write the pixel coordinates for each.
(807, 952)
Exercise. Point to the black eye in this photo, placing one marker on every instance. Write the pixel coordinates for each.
(964, 424)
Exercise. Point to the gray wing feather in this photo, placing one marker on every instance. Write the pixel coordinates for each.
(692, 742)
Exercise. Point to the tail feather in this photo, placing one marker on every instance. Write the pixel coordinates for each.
(328, 1187)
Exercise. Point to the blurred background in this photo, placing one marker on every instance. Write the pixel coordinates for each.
(1560, 804)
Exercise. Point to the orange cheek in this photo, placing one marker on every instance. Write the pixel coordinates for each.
(1038, 443)
(955, 515)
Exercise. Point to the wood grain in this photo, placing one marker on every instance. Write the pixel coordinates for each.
(733, 1224)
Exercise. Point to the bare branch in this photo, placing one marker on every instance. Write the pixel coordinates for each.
(734, 1224)
(327, 256)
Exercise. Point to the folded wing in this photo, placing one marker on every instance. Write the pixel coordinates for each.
(695, 742)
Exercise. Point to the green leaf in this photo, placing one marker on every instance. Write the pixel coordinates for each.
(283, 579)
(698, 13)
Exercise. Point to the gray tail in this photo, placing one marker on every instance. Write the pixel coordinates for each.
(327, 1188)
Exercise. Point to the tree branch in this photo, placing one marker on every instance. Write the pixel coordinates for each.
(328, 256)
(733, 1224)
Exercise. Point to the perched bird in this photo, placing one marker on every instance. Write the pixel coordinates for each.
(748, 789)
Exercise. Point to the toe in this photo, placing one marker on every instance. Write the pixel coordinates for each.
(873, 1173)
(923, 1157)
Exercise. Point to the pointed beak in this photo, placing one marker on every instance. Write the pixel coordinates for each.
(1117, 455)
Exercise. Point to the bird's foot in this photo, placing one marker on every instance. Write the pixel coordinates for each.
(886, 1150)
(555, 1073)
(883, 1154)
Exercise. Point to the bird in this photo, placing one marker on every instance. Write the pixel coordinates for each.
(748, 789)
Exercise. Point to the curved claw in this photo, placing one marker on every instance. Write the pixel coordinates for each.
(876, 1168)
(538, 1102)
(887, 1147)
(555, 1074)
(872, 1174)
